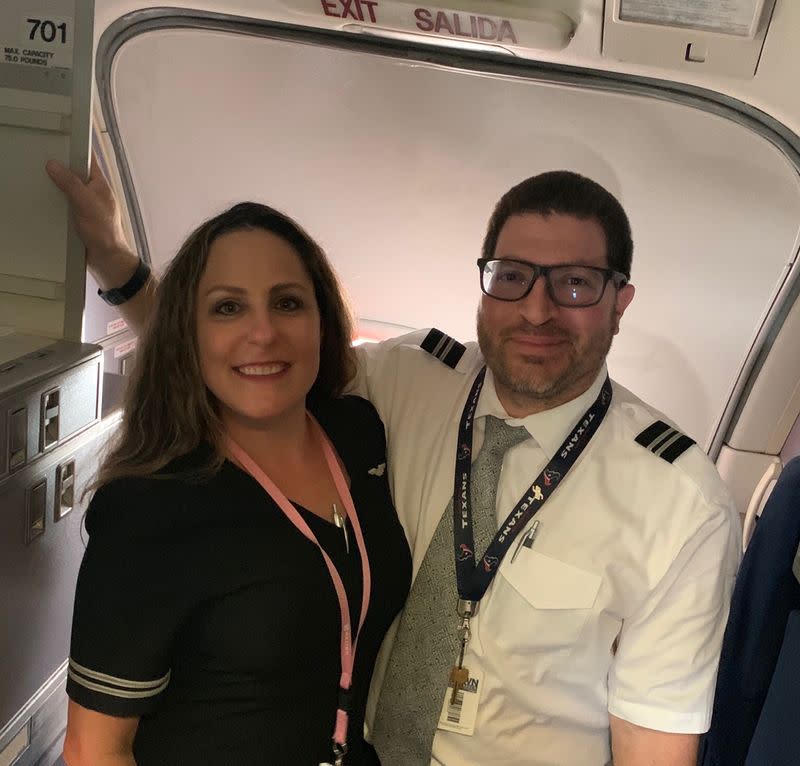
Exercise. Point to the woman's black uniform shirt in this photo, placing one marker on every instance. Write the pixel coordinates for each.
(202, 609)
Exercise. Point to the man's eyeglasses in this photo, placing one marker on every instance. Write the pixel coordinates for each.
(570, 286)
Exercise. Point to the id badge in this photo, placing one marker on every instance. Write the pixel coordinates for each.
(460, 716)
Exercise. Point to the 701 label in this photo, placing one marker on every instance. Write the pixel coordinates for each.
(47, 31)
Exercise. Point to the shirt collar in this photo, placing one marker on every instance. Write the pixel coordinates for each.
(548, 428)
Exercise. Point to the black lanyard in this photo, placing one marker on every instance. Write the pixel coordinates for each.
(473, 580)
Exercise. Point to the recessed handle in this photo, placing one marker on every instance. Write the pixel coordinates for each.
(49, 422)
(65, 489)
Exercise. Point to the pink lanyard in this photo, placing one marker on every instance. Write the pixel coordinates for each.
(348, 643)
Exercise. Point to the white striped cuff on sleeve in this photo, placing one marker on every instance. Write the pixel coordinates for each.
(116, 687)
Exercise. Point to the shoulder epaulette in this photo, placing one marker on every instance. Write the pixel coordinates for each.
(443, 347)
(664, 440)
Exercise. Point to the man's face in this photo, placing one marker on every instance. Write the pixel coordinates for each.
(542, 354)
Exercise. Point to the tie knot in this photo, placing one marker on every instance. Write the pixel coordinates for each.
(499, 437)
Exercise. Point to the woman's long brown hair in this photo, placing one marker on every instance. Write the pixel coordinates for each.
(168, 409)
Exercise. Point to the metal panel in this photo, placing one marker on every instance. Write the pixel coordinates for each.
(72, 370)
(40, 536)
(37, 578)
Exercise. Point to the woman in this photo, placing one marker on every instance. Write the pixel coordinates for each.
(211, 613)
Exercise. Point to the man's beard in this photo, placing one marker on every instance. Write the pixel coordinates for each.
(533, 378)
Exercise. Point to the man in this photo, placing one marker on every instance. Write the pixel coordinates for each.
(592, 624)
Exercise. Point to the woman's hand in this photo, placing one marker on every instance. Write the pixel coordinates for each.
(94, 209)
(98, 222)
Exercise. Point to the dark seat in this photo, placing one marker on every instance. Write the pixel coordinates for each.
(776, 741)
(762, 644)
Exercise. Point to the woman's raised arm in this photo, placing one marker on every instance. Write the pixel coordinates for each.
(96, 216)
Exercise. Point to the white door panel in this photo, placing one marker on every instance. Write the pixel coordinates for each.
(395, 166)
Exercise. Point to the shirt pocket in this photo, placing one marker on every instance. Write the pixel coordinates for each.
(560, 598)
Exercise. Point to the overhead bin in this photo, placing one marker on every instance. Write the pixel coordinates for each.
(704, 36)
(45, 95)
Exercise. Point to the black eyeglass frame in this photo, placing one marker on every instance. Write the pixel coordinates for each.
(616, 277)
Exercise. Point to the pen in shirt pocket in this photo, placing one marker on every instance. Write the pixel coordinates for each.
(527, 539)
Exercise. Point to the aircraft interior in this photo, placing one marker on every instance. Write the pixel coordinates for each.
(389, 129)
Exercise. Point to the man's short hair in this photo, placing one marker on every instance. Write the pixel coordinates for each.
(566, 193)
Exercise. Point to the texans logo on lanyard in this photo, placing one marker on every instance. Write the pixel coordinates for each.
(473, 574)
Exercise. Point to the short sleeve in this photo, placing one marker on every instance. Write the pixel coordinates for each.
(354, 416)
(664, 671)
(129, 602)
(378, 368)
(390, 372)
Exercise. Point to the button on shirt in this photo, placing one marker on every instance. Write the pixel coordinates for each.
(619, 605)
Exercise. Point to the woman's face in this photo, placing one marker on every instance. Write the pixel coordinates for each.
(258, 328)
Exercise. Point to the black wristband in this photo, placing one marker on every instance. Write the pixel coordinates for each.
(117, 295)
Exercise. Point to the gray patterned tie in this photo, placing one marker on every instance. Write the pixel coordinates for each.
(427, 637)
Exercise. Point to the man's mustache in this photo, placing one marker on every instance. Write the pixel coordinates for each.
(537, 331)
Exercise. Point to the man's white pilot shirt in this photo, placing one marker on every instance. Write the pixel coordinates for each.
(618, 607)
